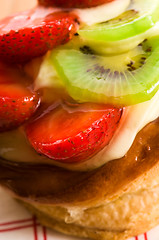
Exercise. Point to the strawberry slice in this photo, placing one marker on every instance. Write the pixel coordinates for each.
(71, 135)
(17, 101)
(32, 33)
(73, 3)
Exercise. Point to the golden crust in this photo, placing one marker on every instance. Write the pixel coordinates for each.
(127, 216)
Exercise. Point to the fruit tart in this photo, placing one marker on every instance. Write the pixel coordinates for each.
(79, 115)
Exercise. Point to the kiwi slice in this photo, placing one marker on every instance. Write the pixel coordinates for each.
(123, 32)
(124, 79)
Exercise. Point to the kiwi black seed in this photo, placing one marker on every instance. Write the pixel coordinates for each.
(87, 50)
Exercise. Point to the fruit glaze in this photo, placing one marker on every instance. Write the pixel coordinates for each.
(78, 81)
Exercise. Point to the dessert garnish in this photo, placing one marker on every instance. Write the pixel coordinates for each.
(86, 128)
(18, 100)
(75, 134)
(138, 19)
(32, 33)
(82, 71)
(122, 79)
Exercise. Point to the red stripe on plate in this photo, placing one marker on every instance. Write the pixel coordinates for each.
(136, 238)
(17, 221)
(16, 228)
(44, 233)
(145, 236)
(35, 228)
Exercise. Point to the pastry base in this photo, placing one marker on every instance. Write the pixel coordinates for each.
(129, 215)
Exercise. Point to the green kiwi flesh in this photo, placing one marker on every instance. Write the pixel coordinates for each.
(124, 79)
(134, 23)
(124, 26)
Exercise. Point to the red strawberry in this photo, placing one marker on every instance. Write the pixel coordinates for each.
(69, 136)
(32, 33)
(74, 3)
(17, 101)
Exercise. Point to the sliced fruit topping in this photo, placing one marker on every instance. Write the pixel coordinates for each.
(104, 12)
(17, 101)
(74, 134)
(31, 34)
(141, 17)
(124, 79)
(73, 3)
